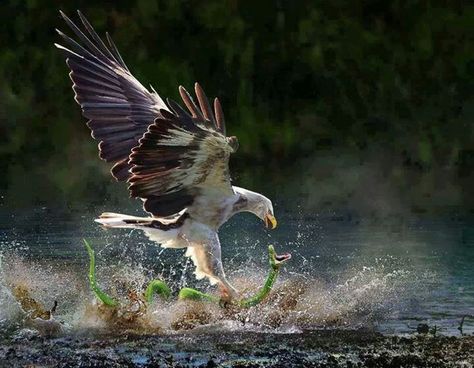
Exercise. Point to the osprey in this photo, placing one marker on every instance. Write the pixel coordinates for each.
(176, 161)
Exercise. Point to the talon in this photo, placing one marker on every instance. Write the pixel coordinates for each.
(223, 303)
(226, 293)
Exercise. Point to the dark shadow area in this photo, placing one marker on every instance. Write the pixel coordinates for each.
(365, 107)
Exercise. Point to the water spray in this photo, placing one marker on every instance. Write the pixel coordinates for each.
(161, 289)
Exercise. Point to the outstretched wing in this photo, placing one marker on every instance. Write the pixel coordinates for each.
(120, 109)
(182, 156)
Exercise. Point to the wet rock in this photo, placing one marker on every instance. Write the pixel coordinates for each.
(423, 328)
(324, 348)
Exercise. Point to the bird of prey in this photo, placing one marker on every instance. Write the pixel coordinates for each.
(176, 161)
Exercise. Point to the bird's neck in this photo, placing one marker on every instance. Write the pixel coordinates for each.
(247, 201)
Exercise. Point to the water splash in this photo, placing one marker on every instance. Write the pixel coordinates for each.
(365, 297)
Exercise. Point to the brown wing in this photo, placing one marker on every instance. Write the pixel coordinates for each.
(120, 109)
(181, 156)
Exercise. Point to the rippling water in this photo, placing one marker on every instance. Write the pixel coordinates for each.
(345, 272)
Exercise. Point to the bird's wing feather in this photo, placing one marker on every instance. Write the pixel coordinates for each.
(119, 107)
(166, 154)
(181, 155)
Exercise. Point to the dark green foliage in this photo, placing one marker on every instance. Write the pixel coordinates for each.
(297, 80)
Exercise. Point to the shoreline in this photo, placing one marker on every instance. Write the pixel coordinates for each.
(315, 348)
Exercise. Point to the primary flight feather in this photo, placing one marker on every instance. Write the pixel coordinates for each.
(176, 161)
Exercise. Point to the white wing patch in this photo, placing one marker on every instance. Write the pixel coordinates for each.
(167, 239)
(209, 160)
(176, 137)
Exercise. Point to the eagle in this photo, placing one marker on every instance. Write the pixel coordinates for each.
(175, 159)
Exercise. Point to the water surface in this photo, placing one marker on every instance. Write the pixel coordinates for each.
(346, 272)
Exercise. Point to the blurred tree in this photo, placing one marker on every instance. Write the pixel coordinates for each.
(296, 79)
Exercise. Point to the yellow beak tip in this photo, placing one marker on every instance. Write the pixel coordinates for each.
(271, 221)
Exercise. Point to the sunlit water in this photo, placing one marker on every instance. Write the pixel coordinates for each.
(345, 273)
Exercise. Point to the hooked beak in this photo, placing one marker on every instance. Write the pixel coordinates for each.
(270, 221)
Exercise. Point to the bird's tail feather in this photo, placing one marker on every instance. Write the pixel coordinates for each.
(117, 220)
(162, 231)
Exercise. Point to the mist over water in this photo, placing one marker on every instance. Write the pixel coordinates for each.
(344, 273)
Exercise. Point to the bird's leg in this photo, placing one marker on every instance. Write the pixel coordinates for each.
(228, 292)
(225, 294)
(229, 295)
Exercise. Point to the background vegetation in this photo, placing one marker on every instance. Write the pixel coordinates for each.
(365, 105)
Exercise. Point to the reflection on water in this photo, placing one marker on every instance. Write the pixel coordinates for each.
(344, 272)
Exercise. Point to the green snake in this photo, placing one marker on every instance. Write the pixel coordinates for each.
(160, 288)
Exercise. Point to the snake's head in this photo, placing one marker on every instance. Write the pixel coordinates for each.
(276, 260)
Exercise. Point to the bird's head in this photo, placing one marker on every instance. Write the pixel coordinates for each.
(258, 204)
(266, 213)
(263, 208)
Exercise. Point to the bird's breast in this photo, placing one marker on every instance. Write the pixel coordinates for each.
(212, 210)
